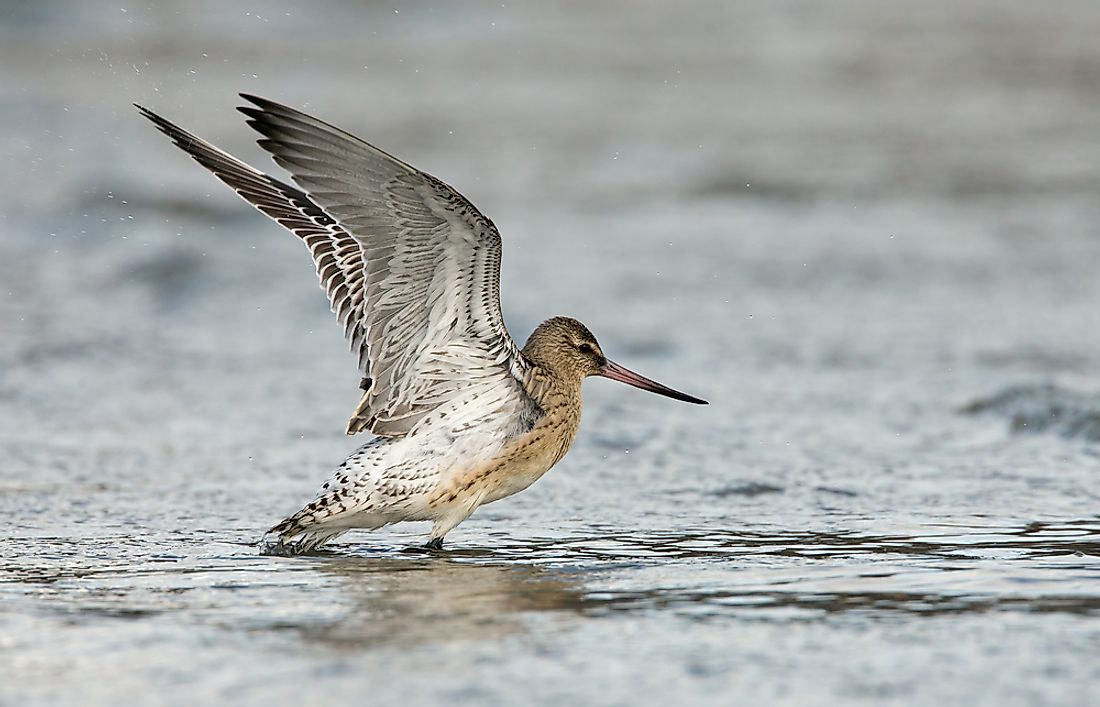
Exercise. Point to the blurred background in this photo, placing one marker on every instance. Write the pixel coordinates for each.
(867, 232)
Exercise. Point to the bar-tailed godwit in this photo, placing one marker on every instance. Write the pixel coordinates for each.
(461, 415)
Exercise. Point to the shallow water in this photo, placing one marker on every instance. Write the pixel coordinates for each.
(868, 236)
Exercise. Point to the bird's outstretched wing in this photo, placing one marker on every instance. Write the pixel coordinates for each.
(412, 268)
(337, 255)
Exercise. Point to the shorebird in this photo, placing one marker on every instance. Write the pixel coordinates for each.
(461, 415)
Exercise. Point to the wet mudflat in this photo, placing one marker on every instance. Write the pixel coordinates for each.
(868, 236)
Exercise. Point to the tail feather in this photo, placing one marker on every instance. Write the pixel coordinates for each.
(312, 527)
(297, 542)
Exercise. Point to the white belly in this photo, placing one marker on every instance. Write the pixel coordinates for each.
(440, 474)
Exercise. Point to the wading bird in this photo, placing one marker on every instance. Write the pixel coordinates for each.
(462, 416)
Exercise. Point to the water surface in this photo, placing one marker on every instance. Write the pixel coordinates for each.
(867, 235)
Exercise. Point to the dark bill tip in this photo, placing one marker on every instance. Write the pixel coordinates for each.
(624, 375)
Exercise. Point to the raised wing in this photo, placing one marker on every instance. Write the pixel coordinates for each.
(337, 255)
(410, 266)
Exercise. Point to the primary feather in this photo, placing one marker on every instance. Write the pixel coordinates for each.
(411, 268)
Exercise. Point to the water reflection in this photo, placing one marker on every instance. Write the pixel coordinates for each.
(478, 593)
(432, 599)
(362, 595)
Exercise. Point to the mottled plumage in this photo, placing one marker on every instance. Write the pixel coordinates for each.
(412, 269)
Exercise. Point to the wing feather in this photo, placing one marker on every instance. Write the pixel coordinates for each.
(411, 268)
(433, 326)
(336, 254)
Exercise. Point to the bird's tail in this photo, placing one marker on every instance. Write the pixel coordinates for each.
(300, 533)
(316, 524)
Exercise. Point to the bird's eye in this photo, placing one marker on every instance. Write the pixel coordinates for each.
(584, 348)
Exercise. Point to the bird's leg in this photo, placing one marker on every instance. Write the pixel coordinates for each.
(435, 543)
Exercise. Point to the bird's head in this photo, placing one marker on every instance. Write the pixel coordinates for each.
(566, 347)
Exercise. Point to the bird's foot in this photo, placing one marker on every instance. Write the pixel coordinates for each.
(435, 544)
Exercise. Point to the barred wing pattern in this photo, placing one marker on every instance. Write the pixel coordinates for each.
(410, 266)
(434, 329)
(337, 255)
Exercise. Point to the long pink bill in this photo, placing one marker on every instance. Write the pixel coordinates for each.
(616, 372)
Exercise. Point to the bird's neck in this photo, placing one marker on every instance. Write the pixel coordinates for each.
(551, 390)
(559, 398)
